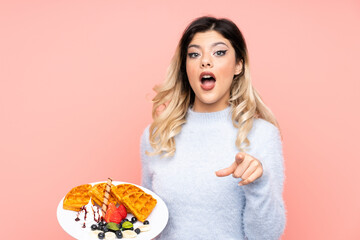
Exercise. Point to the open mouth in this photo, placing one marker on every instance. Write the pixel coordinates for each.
(207, 80)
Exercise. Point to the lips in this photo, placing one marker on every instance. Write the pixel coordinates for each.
(207, 80)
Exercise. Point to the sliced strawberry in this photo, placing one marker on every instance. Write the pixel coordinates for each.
(115, 217)
(110, 211)
(121, 208)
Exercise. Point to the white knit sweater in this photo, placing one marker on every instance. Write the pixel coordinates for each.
(204, 206)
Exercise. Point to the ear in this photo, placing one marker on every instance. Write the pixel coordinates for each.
(238, 67)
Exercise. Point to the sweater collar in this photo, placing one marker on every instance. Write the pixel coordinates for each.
(209, 116)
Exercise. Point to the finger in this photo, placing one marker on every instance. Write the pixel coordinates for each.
(255, 175)
(252, 167)
(240, 157)
(226, 171)
(241, 168)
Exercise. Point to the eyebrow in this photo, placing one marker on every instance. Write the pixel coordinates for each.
(213, 45)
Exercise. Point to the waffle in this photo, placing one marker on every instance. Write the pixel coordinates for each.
(140, 204)
(77, 197)
(97, 193)
(121, 190)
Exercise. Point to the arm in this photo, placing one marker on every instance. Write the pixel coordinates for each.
(262, 181)
(145, 172)
(264, 214)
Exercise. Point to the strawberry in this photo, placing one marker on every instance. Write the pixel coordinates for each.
(115, 217)
(110, 211)
(122, 211)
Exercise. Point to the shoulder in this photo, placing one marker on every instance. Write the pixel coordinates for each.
(264, 130)
(266, 139)
(145, 136)
(145, 145)
(262, 124)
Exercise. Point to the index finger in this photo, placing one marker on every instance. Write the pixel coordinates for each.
(226, 171)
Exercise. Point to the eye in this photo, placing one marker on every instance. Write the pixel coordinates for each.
(220, 53)
(193, 55)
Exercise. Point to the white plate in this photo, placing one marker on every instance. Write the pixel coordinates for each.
(158, 219)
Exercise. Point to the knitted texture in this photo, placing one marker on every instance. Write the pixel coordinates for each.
(204, 206)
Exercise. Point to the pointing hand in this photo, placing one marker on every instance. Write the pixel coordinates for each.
(245, 167)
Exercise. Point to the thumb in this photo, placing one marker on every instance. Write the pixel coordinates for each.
(240, 157)
(226, 171)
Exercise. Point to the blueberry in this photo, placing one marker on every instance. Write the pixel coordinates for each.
(94, 227)
(118, 234)
(101, 235)
(146, 222)
(102, 223)
(133, 219)
(137, 231)
(101, 228)
(105, 229)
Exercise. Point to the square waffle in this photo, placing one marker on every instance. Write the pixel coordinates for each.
(77, 197)
(121, 190)
(97, 193)
(140, 204)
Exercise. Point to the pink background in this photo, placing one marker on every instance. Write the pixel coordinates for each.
(76, 82)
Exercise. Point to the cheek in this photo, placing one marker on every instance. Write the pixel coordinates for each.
(190, 71)
(227, 69)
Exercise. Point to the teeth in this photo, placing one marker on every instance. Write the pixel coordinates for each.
(207, 76)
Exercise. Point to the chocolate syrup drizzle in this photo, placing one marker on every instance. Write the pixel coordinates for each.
(83, 208)
(98, 219)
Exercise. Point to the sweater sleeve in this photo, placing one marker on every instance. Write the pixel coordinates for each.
(264, 213)
(146, 176)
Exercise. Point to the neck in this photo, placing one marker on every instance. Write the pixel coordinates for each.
(207, 108)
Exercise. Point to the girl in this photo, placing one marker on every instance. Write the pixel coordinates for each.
(205, 115)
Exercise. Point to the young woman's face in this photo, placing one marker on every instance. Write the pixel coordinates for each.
(210, 67)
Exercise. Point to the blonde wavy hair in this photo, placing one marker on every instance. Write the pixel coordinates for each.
(175, 96)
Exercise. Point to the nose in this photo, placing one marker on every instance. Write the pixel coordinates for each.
(206, 62)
